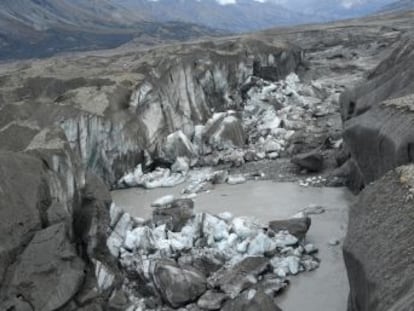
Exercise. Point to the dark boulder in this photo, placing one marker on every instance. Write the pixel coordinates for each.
(234, 280)
(211, 300)
(178, 286)
(251, 300)
(296, 226)
(311, 161)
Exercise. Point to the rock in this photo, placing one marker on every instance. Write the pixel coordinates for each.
(271, 285)
(211, 300)
(297, 227)
(206, 260)
(175, 215)
(378, 245)
(178, 286)
(251, 300)
(49, 272)
(234, 280)
(311, 161)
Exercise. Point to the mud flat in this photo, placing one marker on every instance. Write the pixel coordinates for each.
(323, 289)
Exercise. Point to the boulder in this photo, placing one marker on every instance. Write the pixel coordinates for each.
(297, 227)
(211, 300)
(311, 161)
(251, 300)
(378, 246)
(175, 215)
(178, 286)
(234, 280)
(49, 272)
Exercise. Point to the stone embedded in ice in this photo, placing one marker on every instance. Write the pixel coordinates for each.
(163, 201)
(236, 179)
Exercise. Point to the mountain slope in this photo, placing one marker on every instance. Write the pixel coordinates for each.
(400, 5)
(39, 28)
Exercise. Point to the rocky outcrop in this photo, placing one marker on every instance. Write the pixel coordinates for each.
(378, 246)
(55, 227)
(378, 119)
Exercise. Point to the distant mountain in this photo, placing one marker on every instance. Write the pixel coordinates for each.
(401, 5)
(39, 28)
(230, 15)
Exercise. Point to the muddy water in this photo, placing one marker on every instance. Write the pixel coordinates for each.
(323, 289)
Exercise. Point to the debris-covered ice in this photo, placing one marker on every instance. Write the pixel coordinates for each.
(219, 256)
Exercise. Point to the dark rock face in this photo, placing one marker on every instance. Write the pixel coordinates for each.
(55, 228)
(381, 139)
(49, 272)
(296, 226)
(178, 286)
(378, 246)
(311, 161)
(378, 117)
